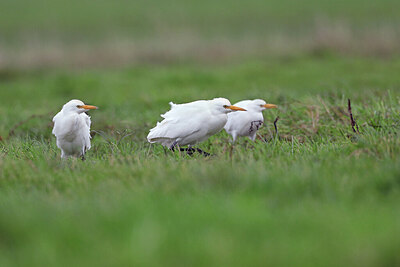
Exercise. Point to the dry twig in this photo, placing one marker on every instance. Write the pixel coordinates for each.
(354, 124)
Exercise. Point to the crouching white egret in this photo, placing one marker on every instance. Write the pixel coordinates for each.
(72, 129)
(247, 123)
(191, 123)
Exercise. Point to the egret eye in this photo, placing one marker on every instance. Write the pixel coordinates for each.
(226, 106)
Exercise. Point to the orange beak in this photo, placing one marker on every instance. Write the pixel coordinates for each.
(88, 107)
(270, 106)
(235, 108)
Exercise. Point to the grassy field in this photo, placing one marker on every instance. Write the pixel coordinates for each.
(315, 194)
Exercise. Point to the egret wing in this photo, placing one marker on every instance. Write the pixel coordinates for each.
(179, 122)
(62, 124)
(55, 119)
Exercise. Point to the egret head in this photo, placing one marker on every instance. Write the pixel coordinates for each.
(77, 106)
(259, 105)
(224, 106)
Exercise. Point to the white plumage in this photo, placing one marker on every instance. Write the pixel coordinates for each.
(72, 129)
(191, 123)
(247, 123)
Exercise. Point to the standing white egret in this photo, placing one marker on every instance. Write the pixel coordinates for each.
(247, 123)
(72, 129)
(191, 123)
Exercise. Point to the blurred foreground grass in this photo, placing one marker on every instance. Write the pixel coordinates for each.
(316, 195)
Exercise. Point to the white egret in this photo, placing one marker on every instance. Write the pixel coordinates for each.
(247, 123)
(72, 129)
(191, 123)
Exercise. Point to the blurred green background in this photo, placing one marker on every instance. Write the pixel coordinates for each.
(42, 33)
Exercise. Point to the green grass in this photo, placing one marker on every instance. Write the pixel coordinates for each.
(317, 194)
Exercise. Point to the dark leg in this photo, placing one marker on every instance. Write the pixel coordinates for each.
(206, 154)
(83, 154)
(188, 150)
(172, 147)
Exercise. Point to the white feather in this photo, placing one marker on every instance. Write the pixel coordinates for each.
(190, 123)
(246, 123)
(72, 130)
